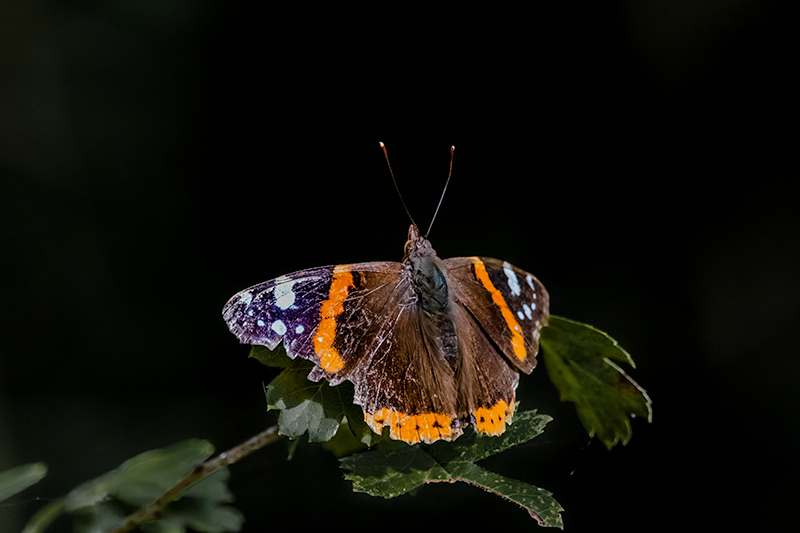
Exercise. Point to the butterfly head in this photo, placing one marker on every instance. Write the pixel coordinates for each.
(415, 242)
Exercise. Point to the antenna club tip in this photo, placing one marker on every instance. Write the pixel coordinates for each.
(382, 145)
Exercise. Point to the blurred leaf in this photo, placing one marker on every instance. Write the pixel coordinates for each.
(102, 503)
(197, 516)
(200, 509)
(45, 516)
(344, 442)
(100, 517)
(389, 473)
(580, 362)
(212, 487)
(142, 479)
(20, 478)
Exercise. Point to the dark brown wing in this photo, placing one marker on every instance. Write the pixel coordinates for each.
(510, 305)
(486, 382)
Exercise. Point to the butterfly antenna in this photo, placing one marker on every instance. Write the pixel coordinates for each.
(452, 149)
(385, 153)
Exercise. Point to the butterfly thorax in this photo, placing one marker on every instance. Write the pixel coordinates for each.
(427, 279)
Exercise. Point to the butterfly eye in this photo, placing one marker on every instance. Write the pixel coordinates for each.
(407, 248)
(413, 236)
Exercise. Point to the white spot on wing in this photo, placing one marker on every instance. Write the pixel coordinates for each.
(260, 323)
(529, 278)
(513, 282)
(245, 297)
(299, 329)
(520, 315)
(528, 312)
(283, 293)
(279, 327)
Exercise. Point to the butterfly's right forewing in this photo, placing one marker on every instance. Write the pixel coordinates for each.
(511, 305)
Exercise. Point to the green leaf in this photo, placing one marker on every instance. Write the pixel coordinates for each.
(472, 447)
(20, 478)
(580, 362)
(307, 406)
(357, 426)
(278, 358)
(389, 473)
(538, 502)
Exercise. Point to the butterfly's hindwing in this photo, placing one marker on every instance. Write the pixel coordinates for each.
(510, 304)
(393, 359)
(402, 381)
(486, 382)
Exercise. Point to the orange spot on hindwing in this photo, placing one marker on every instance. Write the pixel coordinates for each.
(341, 283)
(426, 427)
(517, 340)
(493, 420)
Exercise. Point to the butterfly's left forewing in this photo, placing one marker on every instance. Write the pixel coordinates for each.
(304, 310)
(281, 309)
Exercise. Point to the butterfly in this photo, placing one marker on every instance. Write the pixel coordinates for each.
(431, 345)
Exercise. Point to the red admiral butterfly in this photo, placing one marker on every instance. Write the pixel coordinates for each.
(430, 344)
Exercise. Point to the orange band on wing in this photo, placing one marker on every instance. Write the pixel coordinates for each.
(331, 308)
(493, 420)
(517, 341)
(427, 427)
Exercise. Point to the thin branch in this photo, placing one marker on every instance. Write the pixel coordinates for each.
(153, 511)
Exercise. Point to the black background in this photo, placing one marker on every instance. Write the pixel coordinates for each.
(157, 157)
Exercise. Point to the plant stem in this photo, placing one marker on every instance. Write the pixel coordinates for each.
(152, 512)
